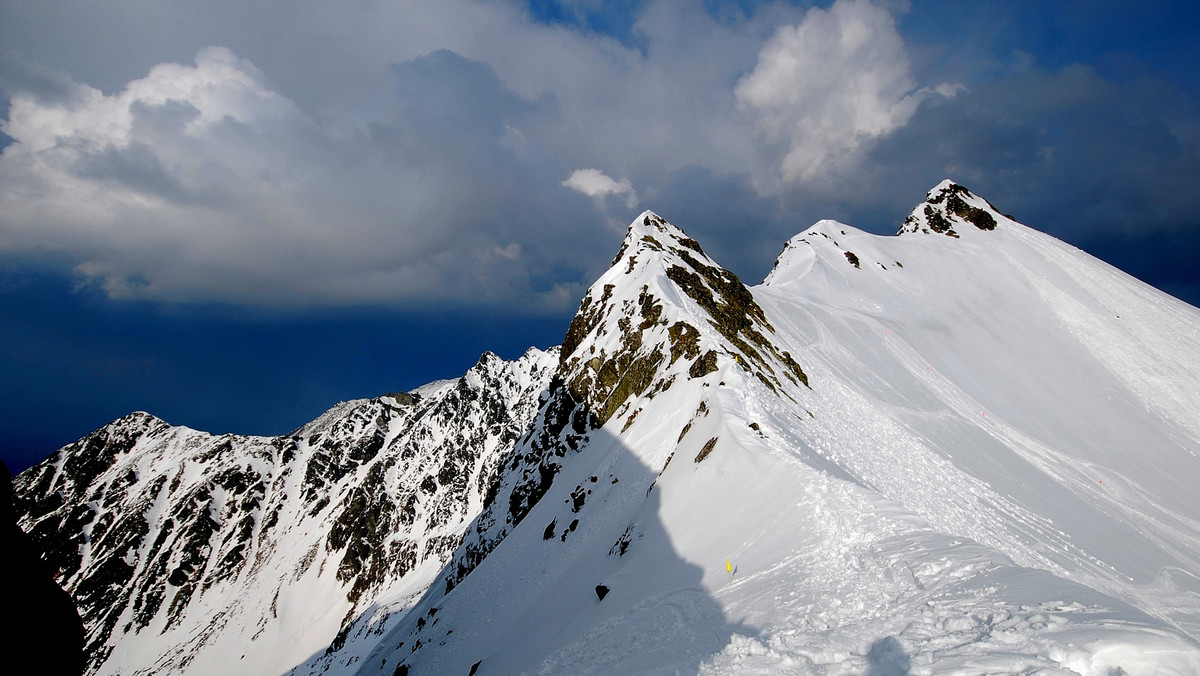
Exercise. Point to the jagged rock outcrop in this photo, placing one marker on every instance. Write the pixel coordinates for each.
(158, 529)
(948, 209)
(665, 312)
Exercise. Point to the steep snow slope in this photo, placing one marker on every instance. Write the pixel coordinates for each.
(189, 552)
(1021, 362)
(968, 448)
(915, 453)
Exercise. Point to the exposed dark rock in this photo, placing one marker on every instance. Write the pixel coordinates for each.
(704, 365)
(622, 544)
(578, 496)
(973, 215)
(360, 529)
(43, 631)
(684, 341)
(794, 368)
(937, 222)
(402, 398)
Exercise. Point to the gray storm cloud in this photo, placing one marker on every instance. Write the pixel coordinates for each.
(462, 152)
(824, 88)
(198, 182)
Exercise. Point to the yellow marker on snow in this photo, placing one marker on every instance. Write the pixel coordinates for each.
(729, 568)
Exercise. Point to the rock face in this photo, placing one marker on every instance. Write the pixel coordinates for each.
(888, 455)
(949, 206)
(43, 632)
(664, 313)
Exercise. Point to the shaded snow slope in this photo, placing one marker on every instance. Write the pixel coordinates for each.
(968, 448)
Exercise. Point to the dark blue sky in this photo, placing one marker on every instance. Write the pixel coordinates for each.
(74, 360)
(234, 216)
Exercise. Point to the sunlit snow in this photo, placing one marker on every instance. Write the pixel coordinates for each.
(992, 469)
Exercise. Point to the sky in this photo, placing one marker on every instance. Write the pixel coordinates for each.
(234, 215)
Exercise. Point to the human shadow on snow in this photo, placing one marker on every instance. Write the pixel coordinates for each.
(887, 658)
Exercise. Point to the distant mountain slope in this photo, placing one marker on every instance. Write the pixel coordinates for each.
(189, 552)
(968, 448)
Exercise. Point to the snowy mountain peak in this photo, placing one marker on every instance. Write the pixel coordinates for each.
(994, 471)
(664, 314)
(158, 529)
(950, 209)
(651, 234)
(650, 222)
(945, 184)
(665, 310)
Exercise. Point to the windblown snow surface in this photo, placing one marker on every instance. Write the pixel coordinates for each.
(993, 470)
(966, 449)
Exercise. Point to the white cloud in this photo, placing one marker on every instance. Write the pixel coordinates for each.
(596, 184)
(326, 177)
(201, 183)
(412, 151)
(220, 87)
(827, 86)
(379, 168)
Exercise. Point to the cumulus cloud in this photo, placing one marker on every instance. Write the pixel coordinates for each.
(414, 152)
(827, 86)
(595, 183)
(391, 167)
(219, 87)
(199, 182)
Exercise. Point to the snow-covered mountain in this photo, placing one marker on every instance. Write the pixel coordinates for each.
(193, 553)
(968, 448)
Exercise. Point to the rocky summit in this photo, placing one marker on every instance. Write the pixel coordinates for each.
(966, 448)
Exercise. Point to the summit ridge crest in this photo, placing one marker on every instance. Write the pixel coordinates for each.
(948, 209)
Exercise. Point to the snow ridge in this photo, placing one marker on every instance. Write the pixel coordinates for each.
(965, 454)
